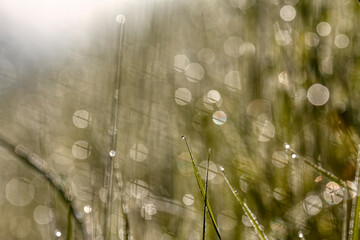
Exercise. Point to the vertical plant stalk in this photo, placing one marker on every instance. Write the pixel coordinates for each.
(354, 220)
(202, 189)
(68, 227)
(113, 140)
(259, 230)
(126, 221)
(345, 208)
(126, 224)
(319, 169)
(205, 199)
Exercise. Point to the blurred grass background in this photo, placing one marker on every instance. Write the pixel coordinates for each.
(242, 77)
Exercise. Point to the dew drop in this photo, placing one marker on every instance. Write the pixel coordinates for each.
(87, 209)
(112, 153)
(57, 233)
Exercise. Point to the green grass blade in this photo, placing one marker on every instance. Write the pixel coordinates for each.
(317, 168)
(206, 186)
(354, 222)
(345, 208)
(50, 175)
(246, 209)
(353, 233)
(202, 190)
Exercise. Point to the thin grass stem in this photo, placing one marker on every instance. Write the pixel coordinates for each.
(202, 189)
(317, 168)
(206, 186)
(259, 230)
(354, 221)
(345, 208)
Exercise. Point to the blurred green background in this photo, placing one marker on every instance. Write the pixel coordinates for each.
(242, 77)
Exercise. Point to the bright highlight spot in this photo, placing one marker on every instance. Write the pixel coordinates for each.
(280, 159)
(112, 153)
(312, 205)
(188, 199)
(19, 192)
(120, 19)
(219, 117)
(323, 29)
(181, 61)
(311, 39)
(287, 13)
(81, 150)
(87, 209)
(318, 94)
(341, 41)
(42, 215)
(182, 96)
(213, 96)
(333, 194)
(194, 72)
(81, 118)
(138, 152)
(57, 233)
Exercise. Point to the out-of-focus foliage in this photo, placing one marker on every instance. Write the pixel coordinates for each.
(242, 77)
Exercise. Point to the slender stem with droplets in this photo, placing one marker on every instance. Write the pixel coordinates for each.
(205, 199)
(345, 208)
(53, 178)
(355, 206)
(354, 220)
(319, 169)
(113, 141)
(259, 230)
(202, 190)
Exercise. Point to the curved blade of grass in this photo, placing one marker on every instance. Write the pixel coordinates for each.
(52, 177)
(202, 190)
(318, 168)
(206, 186)
(260, 232)
(354, 221)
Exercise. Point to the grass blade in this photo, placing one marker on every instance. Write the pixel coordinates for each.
(246, 209)
(51, 176)
(356, 205)
(345, 208)
(354, 221)
(317, 168)
(205, 199)
(126, 225)
(202, 190)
